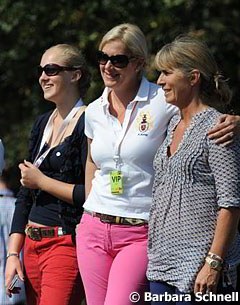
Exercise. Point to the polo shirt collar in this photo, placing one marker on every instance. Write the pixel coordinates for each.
(141, 96)
(143, 91)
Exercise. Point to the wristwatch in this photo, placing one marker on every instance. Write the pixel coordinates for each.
(214, 263)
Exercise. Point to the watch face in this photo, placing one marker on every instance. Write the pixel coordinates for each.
(214, 264)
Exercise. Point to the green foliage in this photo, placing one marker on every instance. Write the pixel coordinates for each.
(28, 27)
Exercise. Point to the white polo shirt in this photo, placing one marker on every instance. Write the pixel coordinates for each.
(135, 141)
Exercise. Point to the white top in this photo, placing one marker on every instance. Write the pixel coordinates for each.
(135, 141)
(1, 157)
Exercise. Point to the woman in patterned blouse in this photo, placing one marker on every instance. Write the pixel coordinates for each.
(194, 246)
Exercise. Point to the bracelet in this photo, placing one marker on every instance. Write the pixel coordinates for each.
(12, 254)
(215, 256)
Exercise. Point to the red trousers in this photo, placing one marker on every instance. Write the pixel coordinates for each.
(52, 276)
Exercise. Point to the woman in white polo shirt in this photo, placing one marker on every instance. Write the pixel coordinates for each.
(124, 126)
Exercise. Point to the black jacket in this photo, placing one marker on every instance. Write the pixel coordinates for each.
(66, 163)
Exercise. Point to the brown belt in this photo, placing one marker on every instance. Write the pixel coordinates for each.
(37, 233)
(117, 219)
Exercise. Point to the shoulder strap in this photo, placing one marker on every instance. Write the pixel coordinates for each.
(74, 122)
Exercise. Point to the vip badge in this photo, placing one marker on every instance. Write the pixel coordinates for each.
(116, 182)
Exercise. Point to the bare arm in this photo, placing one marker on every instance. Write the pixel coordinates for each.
(13, 265)
(90, 170)
(33, 178)
(224, 131)
(59, 189)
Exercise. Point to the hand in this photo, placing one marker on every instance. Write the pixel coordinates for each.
(226, 128)
(13, 266)
(207, 280)
(32, 177)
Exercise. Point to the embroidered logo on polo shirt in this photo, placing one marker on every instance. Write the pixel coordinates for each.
(144, 122)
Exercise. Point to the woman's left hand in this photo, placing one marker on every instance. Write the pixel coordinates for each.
(207, 280)
(31, 176)
(225, 129)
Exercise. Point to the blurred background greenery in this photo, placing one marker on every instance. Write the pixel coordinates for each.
(29, 27)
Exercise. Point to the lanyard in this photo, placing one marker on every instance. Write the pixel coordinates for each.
(116, 156)
(48, 130)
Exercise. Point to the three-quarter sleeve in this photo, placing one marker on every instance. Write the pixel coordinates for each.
(21, 212)
(78, 194)
(225, 165)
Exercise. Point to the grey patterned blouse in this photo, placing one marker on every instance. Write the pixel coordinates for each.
(189, 189)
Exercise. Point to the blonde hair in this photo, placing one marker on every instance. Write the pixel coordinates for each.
(73, 57)
(131, 36)
(187, 53)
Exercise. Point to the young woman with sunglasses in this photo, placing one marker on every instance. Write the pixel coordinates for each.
(124, 127)
(49, 203)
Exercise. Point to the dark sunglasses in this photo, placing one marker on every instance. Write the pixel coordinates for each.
(118, 61)
(54, 69)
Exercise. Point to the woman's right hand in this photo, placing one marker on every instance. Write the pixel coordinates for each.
(31, 176)
(13, 266)
(207, 280)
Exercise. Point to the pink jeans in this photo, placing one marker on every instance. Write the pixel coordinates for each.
(112, 260)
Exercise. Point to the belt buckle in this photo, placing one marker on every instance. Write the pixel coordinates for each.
(34, 234)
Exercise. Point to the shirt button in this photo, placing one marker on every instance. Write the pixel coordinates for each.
(58, 154)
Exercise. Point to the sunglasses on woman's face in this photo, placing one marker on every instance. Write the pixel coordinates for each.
(54, 69)
(118, 61)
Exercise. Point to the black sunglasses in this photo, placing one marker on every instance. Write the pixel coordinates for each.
(54, 69)
(118, 61)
